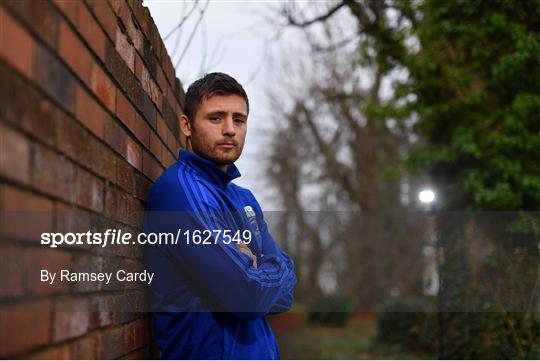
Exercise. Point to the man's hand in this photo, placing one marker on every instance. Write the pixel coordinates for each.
(245, 249)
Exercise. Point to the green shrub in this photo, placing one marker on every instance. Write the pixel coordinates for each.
(332, 310)
(408, 323)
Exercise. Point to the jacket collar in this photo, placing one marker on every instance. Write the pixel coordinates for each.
(208, 169)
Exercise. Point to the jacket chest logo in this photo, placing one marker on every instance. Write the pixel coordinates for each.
(252, 218)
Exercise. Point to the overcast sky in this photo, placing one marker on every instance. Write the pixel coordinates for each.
(232, 37)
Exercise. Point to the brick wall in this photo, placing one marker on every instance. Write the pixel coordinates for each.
(89, 108)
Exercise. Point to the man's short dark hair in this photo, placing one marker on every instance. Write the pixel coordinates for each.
(208, 86)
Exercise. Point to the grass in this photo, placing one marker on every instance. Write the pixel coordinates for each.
(298, 340)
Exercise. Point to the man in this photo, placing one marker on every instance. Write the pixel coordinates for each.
(213, 289)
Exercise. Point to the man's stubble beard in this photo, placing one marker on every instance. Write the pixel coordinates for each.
(211, 151)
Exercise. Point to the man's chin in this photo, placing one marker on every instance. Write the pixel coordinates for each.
(221, 158)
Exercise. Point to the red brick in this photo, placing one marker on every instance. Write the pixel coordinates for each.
(161, 128)
(40, 16)
(162, 82)
(125, 49)
(30, 112)
(56, 353)
(111, 196)
(144, 18)
(134, 153)
(116, 137)
(137, 9)
(142, 186)
(125, 111)
(133, 266)
(73, 140)
(69, 8)
(11, 271)
(151, 167)
(25, 215)
(102, 307)
(89, 112)
(16, 45)
(153, 37)
(163, 153)
(89, 190)
(87, 263)
(172, 142)
(157, 44)
(132, 29)
(170, 71)
(129, 306)
(124, 175)
(134, 216)
(138, 66)
(142, 130)
(53, 173)
(103, 160)
(111, 343)
(121, 9)
(72, 219)
(74, 53)
(47, 259)
(116, 4)
(114, 208)
(54, 78)
(14, 155)
(105, 16)
(151, 88)
(136, 335)
(138, 39)
(155, 145)
(86, 348)
(178, 110)
(103, 87)
(167, 139)
(71, 319)
(142, 354)
(24, 327)
(171, 98)
(168, 158)
(90, 30)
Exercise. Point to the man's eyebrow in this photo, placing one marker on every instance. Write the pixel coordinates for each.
(240, 115)
(217, 112)
(222, 113)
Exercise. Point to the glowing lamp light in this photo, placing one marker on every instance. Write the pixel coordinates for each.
(426, 196)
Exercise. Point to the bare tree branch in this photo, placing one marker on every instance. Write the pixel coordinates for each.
(339, 169)
(201, 15)
(306, 23)
(179, 25)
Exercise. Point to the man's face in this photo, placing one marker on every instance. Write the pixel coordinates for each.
(219, 129)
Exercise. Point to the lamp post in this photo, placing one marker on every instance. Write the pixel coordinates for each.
(432, 282)
(430, 279)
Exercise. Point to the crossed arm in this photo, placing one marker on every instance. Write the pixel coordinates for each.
(226, 273)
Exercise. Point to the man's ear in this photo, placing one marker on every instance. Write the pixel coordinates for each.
(185, 125)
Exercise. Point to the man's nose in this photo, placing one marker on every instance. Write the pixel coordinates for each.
(228, 127)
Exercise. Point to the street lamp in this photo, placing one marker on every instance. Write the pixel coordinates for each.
(431, 277)
(426, 196)
(431, 274)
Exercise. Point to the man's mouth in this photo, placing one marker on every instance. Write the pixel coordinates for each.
(226, 145)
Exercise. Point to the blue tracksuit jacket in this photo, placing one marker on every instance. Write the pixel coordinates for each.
(208, 300)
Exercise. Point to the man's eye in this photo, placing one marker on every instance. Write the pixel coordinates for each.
(240, 120)
(214, 119)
